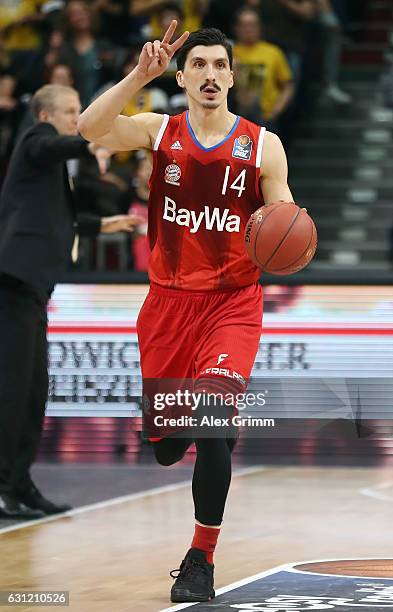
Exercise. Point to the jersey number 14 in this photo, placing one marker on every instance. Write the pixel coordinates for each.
(238, 183)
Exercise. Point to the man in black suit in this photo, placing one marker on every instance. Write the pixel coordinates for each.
(38, 224)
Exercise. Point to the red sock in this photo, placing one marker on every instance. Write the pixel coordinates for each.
(205, 538)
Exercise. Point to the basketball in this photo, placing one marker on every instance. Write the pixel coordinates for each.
(280, 238)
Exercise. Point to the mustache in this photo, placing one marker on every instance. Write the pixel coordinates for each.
(210, 86)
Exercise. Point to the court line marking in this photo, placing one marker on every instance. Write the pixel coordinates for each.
(373, 491)
(294, 570)
(122, 499)
(287, 567)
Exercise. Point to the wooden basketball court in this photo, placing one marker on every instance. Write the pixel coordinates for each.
(117, 557)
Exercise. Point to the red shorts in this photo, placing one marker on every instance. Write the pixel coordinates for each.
(200, 336)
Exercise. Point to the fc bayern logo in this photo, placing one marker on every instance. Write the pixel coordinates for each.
(172, 174)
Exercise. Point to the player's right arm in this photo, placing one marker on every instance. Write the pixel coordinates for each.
(128, 133)
(102, 122)
(274, 171)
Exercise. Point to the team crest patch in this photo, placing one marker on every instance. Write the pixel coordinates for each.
(172, 174)
(242, 147)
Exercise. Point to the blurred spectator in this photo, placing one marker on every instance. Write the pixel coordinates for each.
(387, 84)
(19, 28)
(82, 50)
(45, 59)
(264, 82)
(21, 36)
(51, 56)
(193, 11)
(115, 20)
(60, 74)
(162, 18)
(159, 24)
(7, 87)
(51, 51)
(57, 74)
(178, 104)
(349, 11)
(284, 25)
(219, 14)
(328, 21)
(140, 246)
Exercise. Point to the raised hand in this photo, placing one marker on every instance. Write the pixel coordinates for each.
(155, 56)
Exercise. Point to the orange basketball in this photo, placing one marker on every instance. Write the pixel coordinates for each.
(280, 238)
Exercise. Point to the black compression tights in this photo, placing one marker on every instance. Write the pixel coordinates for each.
(212, 472)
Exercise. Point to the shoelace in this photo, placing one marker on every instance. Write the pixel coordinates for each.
(188, 570)
(171, 573)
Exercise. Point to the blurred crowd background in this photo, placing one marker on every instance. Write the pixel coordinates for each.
(288, 62)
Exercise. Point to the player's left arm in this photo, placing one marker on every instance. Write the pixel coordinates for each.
(274, 171)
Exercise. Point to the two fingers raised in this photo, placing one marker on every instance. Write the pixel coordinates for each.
(163, 50)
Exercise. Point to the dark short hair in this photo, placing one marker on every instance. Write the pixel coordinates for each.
(243, 10)
(207, 38)
(171, 6)
(48, 73)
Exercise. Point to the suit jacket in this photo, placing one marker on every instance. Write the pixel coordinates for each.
(38, 213)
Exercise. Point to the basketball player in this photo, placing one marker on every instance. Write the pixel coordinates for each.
(211, 170)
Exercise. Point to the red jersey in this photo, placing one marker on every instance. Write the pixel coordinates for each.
(200, 201)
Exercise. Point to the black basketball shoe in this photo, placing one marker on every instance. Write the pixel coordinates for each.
(195, 580)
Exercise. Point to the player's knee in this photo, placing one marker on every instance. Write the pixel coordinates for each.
(169, 451)
(166, 461)
(163, 457)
